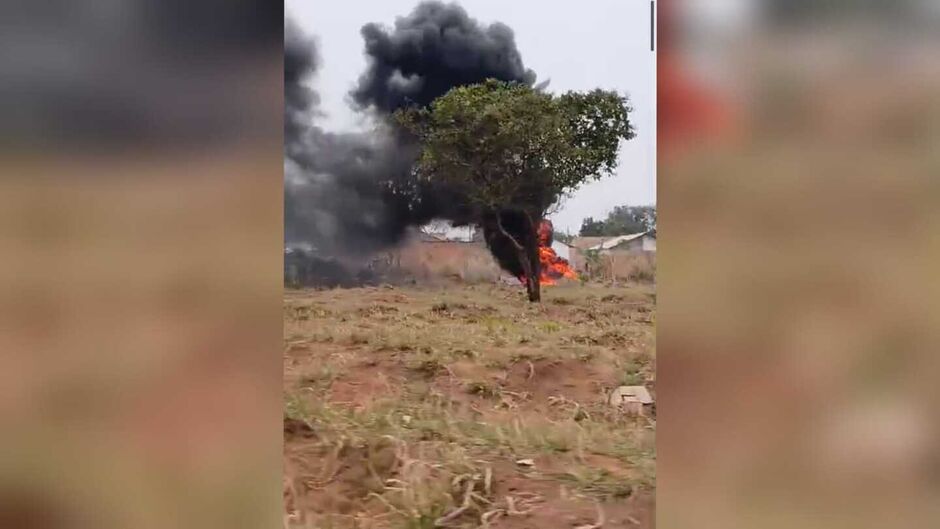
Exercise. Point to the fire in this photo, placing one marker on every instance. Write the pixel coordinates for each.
(552, 266)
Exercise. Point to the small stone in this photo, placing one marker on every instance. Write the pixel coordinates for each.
(526, 462)
(630, 395)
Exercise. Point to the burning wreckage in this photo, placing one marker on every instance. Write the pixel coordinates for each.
(305, 266)
(553, 267)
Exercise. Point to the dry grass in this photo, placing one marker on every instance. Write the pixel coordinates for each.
(636, 267)
(413, 407)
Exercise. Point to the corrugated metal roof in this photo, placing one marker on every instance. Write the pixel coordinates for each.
(429, 237)
(449, 233)
(583, 243)
(616, 241)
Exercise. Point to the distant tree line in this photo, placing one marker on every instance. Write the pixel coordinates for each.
(623, 220)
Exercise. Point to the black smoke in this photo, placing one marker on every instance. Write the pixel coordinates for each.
(502, 248)
(435, 48)
(301, 61)
(338, 197)
(348, 195)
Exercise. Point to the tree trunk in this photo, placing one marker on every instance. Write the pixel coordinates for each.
(527, 251)
(534, 288)
(531, 243)
(531, 275)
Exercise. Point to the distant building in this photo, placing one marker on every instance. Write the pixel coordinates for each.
(633, 242)
(621, 245)
(584, 243)
(636, 242)
(445, 231)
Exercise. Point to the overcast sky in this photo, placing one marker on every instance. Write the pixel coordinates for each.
(578, 45)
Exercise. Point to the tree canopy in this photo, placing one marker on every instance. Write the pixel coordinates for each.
(508, 146)
(510, 152)
(623, 220)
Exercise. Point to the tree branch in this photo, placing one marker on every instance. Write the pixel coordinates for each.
(499, 224)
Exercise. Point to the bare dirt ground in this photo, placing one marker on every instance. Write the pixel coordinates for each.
(466, 406)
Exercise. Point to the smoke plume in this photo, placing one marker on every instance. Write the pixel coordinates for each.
(301, 61)
(435, 48)
(348, 195)
(337, 198)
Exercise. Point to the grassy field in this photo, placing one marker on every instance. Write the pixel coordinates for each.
(466, 406)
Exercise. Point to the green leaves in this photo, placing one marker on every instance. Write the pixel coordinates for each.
(622, 220)
(598, 121)
(508, 146)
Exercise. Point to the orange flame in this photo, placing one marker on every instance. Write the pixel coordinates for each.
(552, 266)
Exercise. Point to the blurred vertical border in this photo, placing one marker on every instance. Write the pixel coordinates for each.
(140, 278)
(799, 179)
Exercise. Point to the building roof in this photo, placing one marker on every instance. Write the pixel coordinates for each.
(605, 243)
(446, 232)
(424, 236)
(583, 243)
(617, 241)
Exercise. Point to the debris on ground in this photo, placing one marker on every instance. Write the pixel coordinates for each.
(631, 399)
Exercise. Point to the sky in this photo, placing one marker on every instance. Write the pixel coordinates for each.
(578, 46)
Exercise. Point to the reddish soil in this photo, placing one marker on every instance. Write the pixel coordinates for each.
(336, 472)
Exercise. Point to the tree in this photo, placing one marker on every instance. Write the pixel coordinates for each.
(592, 228)
(566, 238)
(510, 152)
(623, 220)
